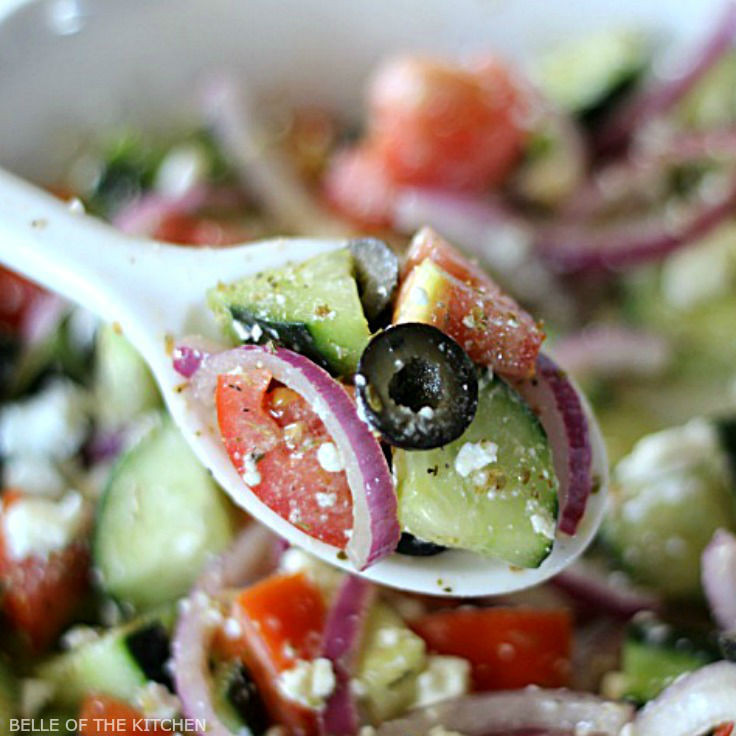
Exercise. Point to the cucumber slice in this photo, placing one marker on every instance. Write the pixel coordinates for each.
(654, 655)
(123, 385)
(312, 307)
(507, 507)
(106, 665)
(237, 700)
(391, 658)
(669, 496)
(583, 75)
(8, 697)
(160, 517)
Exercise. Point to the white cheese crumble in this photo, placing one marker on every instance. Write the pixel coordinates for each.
(182, 168)
(444, 677)
(474, 456)
(155, 700)
(232, 628)
(35, 475)
(308, 683)
(40, 525)
(251, 476)
(670, 450)
(329, 458)
(53, 422)
(442, 731)
(419, 296)
(79, 635)
(426, 412)
(325, 500)
(325, 577)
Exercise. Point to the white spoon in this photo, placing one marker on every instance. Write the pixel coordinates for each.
(155, 292)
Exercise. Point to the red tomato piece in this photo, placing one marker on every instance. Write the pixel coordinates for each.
(16, 296)
(507, 648)
(277, 435)
(725, 730)
(458, 298)
(187, 229)
(442, 124)
(358, 186)
(41, 594)
(282, 619)
(102, 715)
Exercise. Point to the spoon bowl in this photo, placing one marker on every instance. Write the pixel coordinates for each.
(155, 292)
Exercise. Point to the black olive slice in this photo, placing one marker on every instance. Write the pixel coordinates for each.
(416, 386)
(244, 697)
(414, 547)
(377, 274)
(149, 646)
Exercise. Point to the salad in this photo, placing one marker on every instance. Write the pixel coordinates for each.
(510, 234)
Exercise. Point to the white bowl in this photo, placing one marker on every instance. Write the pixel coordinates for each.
(72, 69)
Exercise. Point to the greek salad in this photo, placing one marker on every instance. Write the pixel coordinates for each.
(510, 235)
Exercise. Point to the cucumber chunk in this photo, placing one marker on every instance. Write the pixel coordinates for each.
(391, 658)
(123, 385)
(655, 654)
(668, 497)
(312, 307)
(492, 491)
(106, 665)
(583, 75)
(237, 700)
(160, 518)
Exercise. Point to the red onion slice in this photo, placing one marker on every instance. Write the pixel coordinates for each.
(561, 410)
(145, 214)
(579, 245)
(613, 350)
(718, 572)
(341, 642)
(529, 710)
(604, 590)
(656, 100)
(693, 704)
(375, 523)
(244, 562)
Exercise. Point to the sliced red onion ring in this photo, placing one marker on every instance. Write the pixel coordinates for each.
(718, 572)
(375, 524)
(144, 214)
(613, 350)
(244, 562)
(561, 410)
(262, 168)
(608, 592)
(578, 245)
(42, 316)
(530, 710)
(657, 99)
(341, 641)
(692, 705)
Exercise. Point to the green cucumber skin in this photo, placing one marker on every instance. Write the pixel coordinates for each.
(318, 297)
(104, 665)
(160, 519)
(493, 517)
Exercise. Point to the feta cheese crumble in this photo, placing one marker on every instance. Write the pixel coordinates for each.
(444, 677)
(329, 458)
(308, 683)
(474, 456)
(251, 476)
(38, 526)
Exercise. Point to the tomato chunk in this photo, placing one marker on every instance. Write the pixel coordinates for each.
(444, 289)
(442, 124)
(16, 296)
(507, 648)
(273, 439)
(101, 715)
(724, 730)
(41, 593)
(282, 619)
(358, 186)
